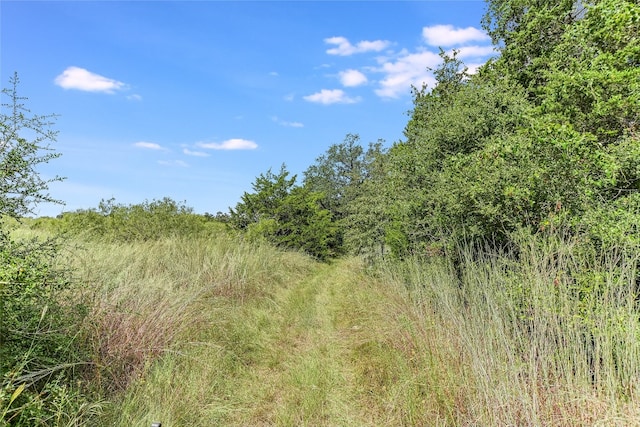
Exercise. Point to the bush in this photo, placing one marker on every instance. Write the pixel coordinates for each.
(41, 357)
(41, 352)
(145, 221)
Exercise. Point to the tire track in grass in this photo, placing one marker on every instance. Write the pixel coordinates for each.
(336, 353)
(307, 379)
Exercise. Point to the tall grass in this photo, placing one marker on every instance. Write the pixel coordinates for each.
(213, 330)
(168, 319)
(547, 336)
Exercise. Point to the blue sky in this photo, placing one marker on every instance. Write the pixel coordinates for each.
(193, 100)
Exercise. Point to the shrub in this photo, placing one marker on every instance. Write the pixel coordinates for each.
(41, 355)
(144, 221)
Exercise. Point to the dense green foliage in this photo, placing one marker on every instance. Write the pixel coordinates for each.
(288, 216)
(148, 220)
(320, 215)
(42, 355)
(543, 137)
(343, 176)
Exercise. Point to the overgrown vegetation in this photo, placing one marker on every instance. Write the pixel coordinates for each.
(288, 216)
(543, 137)
(502, 240)
(116, 222)
(42, 356)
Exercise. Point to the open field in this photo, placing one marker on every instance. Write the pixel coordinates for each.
(245, 335)
(215, 330)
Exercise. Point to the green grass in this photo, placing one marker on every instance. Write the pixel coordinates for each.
(217, 331)
(552, 339)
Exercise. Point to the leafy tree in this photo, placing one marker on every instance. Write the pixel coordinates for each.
(463, 120)
(343, 176)
(336, 173)
(367, 216)
(24, 144)
(592, 78)
(526, 32)
(41, 355)
(269, 190)
(594, 85)
(303, 224)
(550, 141)
(288, 216)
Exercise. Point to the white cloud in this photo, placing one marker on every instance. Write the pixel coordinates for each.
(195, 153)
(333, 96)
(397, 71)
(230, 144)
(149, 145)
(475, 51)
(179, 163)
(81, 79)
(286, 123)
(345, 48)
(134, 97)
(409, 69)
(473, 68)
(350, 78)
(447, 35)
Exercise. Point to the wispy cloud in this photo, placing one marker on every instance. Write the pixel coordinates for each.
(395, 71)
(447, 35)
(81, 79)
(230, 144)
(179, 163)
(134, 97)
(149, 146)
(286, 123)
(467, 52)
(406, 70)
(331, 96)
(194, 153)
(345, 48)
(350, 78)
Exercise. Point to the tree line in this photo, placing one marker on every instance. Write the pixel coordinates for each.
(544, 137)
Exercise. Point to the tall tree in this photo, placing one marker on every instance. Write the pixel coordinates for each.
(526, 32)
(287, 215)
(337, 174)
(367, 216)
(269, 190)
(438, 194)
(342, 176)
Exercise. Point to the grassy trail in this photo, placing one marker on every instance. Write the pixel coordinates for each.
(309, 375)
(312, 351)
